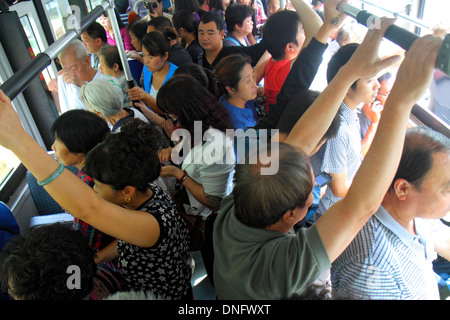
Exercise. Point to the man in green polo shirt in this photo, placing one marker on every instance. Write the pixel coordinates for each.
(257, 254)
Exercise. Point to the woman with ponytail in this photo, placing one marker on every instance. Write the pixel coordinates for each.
(178, 55)
(157, 69)
(186, 26)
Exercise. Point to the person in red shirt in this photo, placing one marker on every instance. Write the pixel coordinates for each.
(285, 34)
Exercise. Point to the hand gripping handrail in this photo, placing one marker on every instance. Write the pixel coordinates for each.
(398, 35)
(404, 39)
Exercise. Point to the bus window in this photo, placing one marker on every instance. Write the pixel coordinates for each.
(8, 162)
(436, 13)
(91, 4)
(436, 16)
(56, 18)
(25, 20)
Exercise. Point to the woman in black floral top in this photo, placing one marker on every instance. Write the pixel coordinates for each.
(153, 248)
(161, 268)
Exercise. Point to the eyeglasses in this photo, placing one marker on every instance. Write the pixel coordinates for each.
(170, 118)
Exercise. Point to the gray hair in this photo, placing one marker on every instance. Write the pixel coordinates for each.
(78, 48)
(262, 200)
(104, 96)
(417, 156)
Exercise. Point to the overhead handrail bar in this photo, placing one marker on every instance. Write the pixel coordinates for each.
(396, 34)
(416, 22)
(404, 39)
(22, 78)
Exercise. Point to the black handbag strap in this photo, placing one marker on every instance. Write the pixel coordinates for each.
(8, 230)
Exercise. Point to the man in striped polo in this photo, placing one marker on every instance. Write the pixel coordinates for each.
(391, 257)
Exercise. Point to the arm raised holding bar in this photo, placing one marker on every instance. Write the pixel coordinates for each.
(396, 34)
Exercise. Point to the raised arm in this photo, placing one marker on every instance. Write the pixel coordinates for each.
(310, 19)
(305, 67)
(340, 224)
(67, 189)
(314, 123)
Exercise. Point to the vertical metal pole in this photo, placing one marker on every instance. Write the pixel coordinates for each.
(119, 43)
(420, 13)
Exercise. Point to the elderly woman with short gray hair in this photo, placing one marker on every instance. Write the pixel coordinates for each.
(105, 98)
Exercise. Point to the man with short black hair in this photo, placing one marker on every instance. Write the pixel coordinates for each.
(94, 38)
(210, 36)
(257, 256)
(285, 34)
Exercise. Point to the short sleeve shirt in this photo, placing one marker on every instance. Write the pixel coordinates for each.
(276, 74)
(385, 261)
(242, 118)
(342, 153)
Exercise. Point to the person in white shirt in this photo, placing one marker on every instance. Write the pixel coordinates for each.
(77, 71)
(208, 160)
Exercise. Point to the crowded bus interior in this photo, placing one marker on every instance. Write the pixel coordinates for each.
(224, 150)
